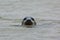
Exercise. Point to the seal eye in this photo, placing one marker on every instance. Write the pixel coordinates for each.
(32, 19)
(24, 18)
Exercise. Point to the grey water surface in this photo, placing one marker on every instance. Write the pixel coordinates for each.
(45, 12)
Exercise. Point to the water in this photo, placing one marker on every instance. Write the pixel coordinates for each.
(45, 12)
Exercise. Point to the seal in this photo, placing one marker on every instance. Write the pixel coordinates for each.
(29, 21)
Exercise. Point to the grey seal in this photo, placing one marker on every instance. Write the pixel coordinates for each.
(28, 21)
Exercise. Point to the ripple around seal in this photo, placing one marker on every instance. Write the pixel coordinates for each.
(40, 23)
(45, 29)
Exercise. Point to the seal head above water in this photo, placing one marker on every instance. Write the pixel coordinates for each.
(28, 21)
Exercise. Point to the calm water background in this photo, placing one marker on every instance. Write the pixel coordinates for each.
(45, 12)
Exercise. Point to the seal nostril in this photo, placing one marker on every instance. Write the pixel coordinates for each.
(28, 22)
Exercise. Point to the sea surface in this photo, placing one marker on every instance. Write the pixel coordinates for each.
(45, 12)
